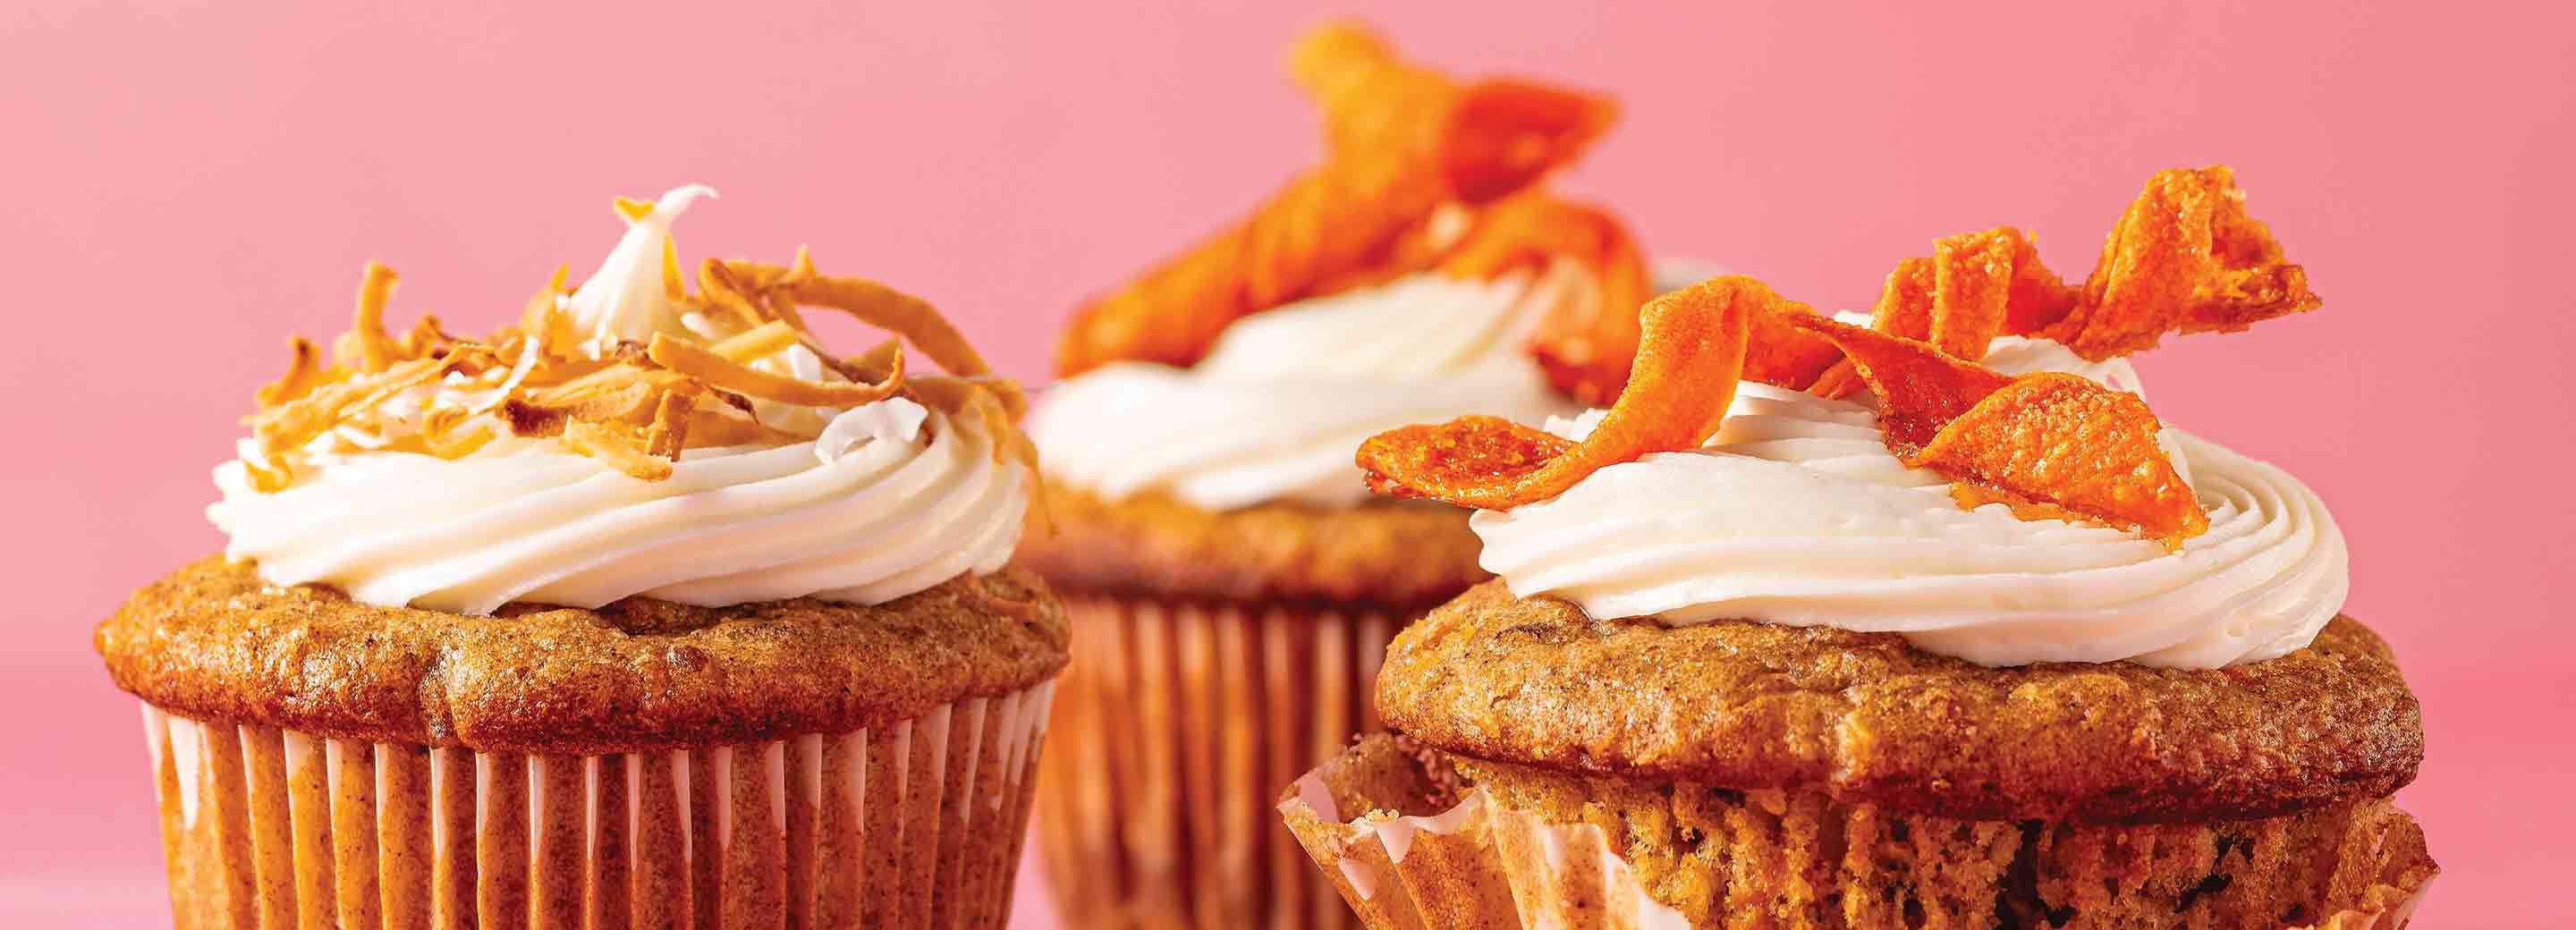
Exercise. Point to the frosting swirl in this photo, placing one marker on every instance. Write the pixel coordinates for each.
(889, 498)
(1796, 513)
(1275, 409)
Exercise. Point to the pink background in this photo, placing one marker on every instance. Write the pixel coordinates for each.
(188, 183)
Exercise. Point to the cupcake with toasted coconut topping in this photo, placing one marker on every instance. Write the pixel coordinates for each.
(644, 610)
(1231, 581)
(1928, 623)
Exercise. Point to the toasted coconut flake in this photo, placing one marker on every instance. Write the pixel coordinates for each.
(1688, 361)
(870, 365)
(670, 430)
(719, 285)
(713, 370)
(2061, 440)
(758, 342)
(531, 420)
(895, 312)
(1402, 141)
(303, 373)
(267, 479)
(291, 425)
(636, 407)
(617, 446)
(367, 348)
(544, 321)
(452, 433)
(425, 337)
(715, 428)
(460, 443)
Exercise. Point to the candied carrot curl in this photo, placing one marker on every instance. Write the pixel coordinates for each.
(1402, 141)
(2051, 444)
(2186, 257)
(2058, 439)
(1584, 346)
(2048, 438)
(1974, 287)
(1688, 361)
(1920, 388)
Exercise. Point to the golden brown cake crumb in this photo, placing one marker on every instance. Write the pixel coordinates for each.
(1867, 718)
(212, 641)
(1387, 554)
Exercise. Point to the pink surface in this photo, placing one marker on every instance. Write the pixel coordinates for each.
(188, 183)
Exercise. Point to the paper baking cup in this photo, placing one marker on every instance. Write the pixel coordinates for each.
(914, 825)
(1482, 864)
(1175, 726)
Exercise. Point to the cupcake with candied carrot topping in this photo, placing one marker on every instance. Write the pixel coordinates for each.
(1231, 582)
(644, 610)
(1926, 624)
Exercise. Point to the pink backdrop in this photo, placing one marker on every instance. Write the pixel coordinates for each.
(190, 182)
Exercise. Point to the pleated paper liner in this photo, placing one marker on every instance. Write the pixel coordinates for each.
(914, 825)
(1474, 862)
(1175, 726)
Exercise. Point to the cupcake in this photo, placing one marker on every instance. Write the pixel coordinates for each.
(645, 610)
(1928, 623)
(1231, 583)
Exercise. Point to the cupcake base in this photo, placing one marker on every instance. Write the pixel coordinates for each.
(914, 825)
(1432, 849)
(1176, 723)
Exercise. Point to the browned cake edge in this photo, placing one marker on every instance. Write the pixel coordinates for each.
(1869, 718)
(1395, 555)
(213, 642)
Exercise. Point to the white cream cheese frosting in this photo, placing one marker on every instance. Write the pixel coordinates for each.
(889, 499)
(1277, 408)
(1796, 513)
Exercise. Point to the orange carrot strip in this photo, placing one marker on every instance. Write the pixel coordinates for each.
(1687, 364)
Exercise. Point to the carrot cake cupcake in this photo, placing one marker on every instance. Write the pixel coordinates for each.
(1925, 624)
(645, 610)
(1231, 583)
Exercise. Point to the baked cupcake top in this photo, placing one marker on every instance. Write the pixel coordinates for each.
(630, 437)
(1422, 270)
(1975, 472)
(643, 516)
(1153, 546)
(213, 641)
(1870, 718)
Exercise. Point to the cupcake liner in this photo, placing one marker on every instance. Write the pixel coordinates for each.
(913, 825)
(1175, 725)
(1480, 863)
